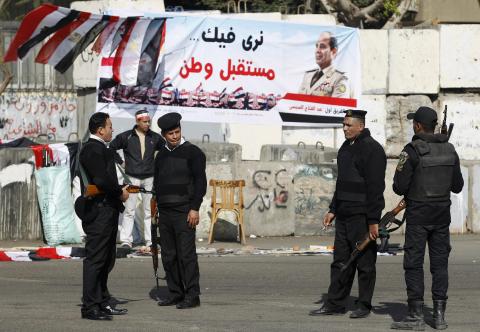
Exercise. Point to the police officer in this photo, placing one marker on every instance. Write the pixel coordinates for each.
(101, 222)
(139, 145)
(180, 183)
(357, 205)
(325, 80)
(428, 170)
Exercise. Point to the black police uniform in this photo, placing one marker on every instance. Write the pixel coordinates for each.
(428, 170)
(180, 183)
(101, 228)
(358, 202)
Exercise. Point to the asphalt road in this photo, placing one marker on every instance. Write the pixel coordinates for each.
(239, 293)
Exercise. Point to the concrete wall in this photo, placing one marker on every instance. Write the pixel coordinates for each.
(280, 197)
(459, 58)
(474, 198)
(374, 50)
(413, 61)
(463, 111)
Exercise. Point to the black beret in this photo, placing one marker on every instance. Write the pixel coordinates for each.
(355, 114)
(169, 121)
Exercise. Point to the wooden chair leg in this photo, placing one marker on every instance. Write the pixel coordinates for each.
(241, 225)
(212, 224)
(240, 231)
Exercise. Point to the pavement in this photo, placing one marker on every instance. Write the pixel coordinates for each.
(268, 243)
(239, 292)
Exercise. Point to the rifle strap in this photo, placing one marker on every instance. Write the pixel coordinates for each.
(84, 177)
(78, 165)
(125, 176)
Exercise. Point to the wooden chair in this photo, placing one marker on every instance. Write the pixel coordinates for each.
(229, 198)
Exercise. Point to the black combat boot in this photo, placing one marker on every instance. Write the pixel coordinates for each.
(414, 321)
(439, 322)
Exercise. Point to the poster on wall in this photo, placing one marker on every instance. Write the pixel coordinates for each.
(224, 70)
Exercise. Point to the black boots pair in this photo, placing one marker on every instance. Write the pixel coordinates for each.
(415, 321)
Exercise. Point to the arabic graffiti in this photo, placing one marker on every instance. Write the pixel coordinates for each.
(243, 68)
(32, 114)
(271, 188)
(314, 188)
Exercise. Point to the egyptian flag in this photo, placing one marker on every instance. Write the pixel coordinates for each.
(223, 93)
(56, 154)
(127, 56)
(124, 27)
(166, 83)
(152, 43)
(47, 31)
(84, 40)
(57, 43)
(183, 95)
(105, 45)
(215, 96)
(106, 34)
(167, 94)
(239, 93)
(111, 46)
(42, 17)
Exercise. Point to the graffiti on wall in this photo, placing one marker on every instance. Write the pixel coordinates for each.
(314, 188)
(271, 189)
(30, 114)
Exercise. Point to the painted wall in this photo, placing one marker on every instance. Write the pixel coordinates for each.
(30, 114)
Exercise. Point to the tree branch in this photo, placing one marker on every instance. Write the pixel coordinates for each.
(328, 7)
(365, 13)
(396, 18)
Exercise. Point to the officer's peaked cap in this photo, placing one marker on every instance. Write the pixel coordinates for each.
(359, 114)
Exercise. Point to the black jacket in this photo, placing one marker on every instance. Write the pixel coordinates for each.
(371, 162)
(426, 213)
(99, 165)
(129, 142)
(166, 175)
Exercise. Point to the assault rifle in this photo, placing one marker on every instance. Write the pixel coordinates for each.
(384, 230)
(92, 190)
(444, 129)
(154, 235)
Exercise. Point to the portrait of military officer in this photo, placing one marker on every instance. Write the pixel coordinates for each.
(325, 80)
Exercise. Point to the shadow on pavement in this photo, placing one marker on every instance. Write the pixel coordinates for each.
(397, 311)
(160, 293)
(349, 305)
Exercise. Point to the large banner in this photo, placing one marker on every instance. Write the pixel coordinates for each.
(215, 69)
